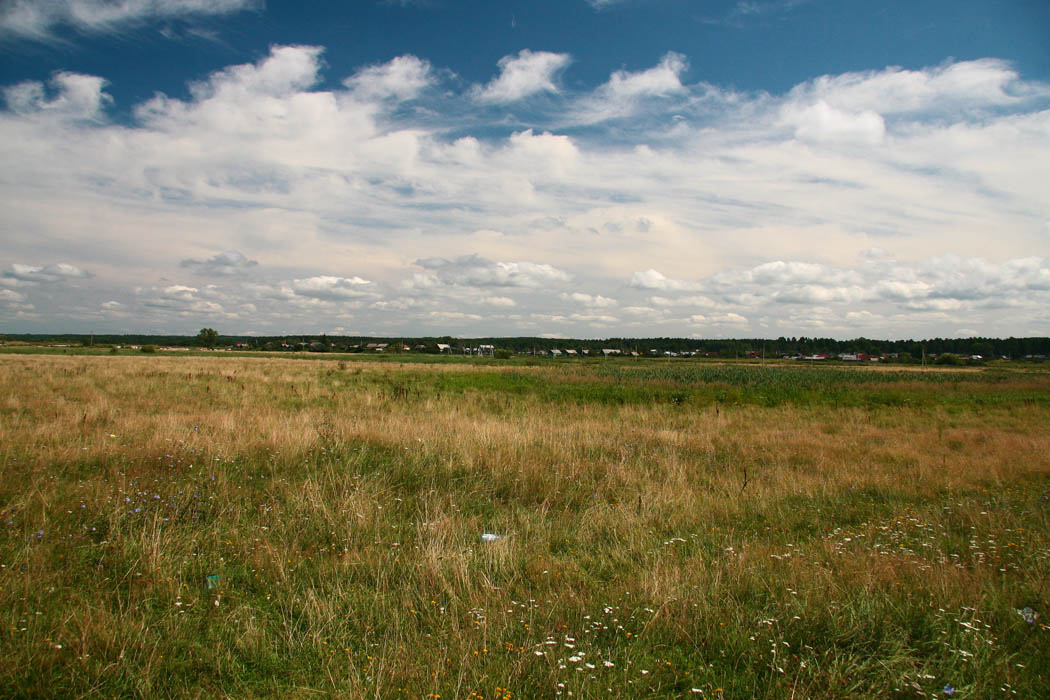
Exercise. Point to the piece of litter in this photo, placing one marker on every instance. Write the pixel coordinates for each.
(489, 537)
(1028, 614)
(212, 580)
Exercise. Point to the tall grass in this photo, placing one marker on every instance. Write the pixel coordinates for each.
(650, 546)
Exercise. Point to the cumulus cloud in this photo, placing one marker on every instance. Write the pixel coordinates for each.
(626, 91)
(181, 301)
(777, 208)
(652, 279)
(220, 265)
(946, 283)
(792, 272)
(822, 122)
(476, 271)
(37, 19)
(662, 79)
(249, 98)
(72, 96)
(402, 78)
(729, 318)
(692, 300)
(593, 301)
(981, 83)
(43, 274)
(526, 74)
(331, 288)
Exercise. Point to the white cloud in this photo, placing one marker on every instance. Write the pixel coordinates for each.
(652, 279)
(822, 122)
(475, 271)
(662, 79)
(982, 83)
(222, 264)
(402, 78)
(74, 96)
(36, 274)
(38, 18)
(625, 91)
(593, 301)
(331, 288)
(594, 319)
(729, 318)
(526, 74)
(704, 200)
(445, 316)
(692, 300)
(780, 272)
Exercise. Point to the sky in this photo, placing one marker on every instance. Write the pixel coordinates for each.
(563, 168)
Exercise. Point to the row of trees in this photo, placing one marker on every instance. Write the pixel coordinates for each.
(904, 350)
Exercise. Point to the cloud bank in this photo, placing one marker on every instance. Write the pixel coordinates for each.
(884, 203)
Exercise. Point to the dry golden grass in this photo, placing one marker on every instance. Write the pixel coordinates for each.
(342, 507)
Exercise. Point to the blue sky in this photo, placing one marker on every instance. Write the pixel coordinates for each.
(575, 168)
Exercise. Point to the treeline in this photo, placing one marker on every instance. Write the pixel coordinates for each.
(903, 350)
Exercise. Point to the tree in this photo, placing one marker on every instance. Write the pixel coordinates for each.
(207, 337)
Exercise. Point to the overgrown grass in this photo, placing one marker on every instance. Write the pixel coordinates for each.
(652, 546)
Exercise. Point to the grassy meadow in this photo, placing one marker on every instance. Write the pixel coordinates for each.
(204, 526)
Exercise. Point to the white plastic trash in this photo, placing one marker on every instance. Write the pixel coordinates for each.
(489, 537)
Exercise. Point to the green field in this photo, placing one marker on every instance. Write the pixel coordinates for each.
(667, 529)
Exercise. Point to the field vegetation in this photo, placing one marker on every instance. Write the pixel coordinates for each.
(297, 528)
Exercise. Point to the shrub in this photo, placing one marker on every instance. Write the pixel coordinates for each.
(148, 348)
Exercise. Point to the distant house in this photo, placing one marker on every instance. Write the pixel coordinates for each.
(444, 348)
(377, 347)
(611, 351)
(556, 352)
(570, 352)
(857, 357)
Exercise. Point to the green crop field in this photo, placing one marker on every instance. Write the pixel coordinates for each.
(207, 525)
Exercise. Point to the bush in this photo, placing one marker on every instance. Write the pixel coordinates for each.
(502, 354)
(148, 348)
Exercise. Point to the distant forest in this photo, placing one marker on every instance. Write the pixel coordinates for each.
(901, 350)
